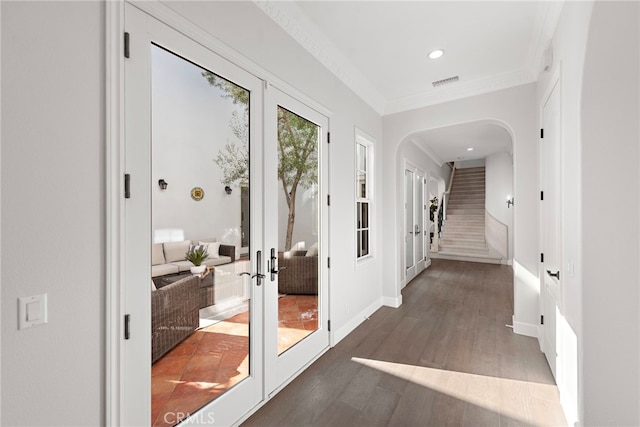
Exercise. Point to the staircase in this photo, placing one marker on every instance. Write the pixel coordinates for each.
(463, 231)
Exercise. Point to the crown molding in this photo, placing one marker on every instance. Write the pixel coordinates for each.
(292, 20)
(460, 90)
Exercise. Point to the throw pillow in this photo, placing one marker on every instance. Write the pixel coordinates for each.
(176, 251)
(313, 250)
(157, 254)
(213, 249)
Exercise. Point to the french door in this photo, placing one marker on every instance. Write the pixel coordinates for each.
(296, 180)
(211, 154)
(414, 222)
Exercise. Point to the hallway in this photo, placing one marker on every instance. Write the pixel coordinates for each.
(445, 357)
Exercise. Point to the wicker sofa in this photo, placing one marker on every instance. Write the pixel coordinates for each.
(174, 314)
(171, 258)
(298, 273)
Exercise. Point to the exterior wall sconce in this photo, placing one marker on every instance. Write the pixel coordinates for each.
(509, 202)
(162, 184)
(227, 189)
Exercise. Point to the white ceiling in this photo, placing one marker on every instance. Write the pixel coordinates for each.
(379, 49)
(450, 144)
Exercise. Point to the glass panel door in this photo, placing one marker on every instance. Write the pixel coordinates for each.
(296, 182)
(408, 209)
(419, 221)
(192, 131)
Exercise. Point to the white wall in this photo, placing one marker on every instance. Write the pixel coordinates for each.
(514, 109)
(610, 135)
(191, 126)
(53, 193)
(53, 211)
(499, 185)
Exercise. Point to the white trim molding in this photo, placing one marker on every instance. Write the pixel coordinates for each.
(355, 321)
(114, 128)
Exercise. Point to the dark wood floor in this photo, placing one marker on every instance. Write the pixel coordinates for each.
(445, 357)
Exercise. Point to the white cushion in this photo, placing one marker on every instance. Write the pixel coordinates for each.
(182, 265)
(157, 254)
(217, 261)
(176, 251)
(153, 286)
(162, 269)
(213, 249)
(313, 250)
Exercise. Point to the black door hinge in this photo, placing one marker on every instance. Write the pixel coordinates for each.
(127, 51)
(328, 137)
(541, 257)
(541, 133)
(328, 200)
(329, 325)
(541, 319)
(127, 320)
(542, 195)
(328, 262)
(127, 186)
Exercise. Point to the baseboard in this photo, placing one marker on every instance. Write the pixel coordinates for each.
(356, 321)
(526, 329)
(392, 302)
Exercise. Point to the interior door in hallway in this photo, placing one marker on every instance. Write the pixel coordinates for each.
(550, 214)
(414, 222)
(192, 125)
(296, 233)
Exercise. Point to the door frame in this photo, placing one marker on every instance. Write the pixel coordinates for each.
(115, 169)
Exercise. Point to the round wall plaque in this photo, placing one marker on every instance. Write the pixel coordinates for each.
(197, 193)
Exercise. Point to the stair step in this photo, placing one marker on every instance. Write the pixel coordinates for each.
(464, 249)
(469, 244)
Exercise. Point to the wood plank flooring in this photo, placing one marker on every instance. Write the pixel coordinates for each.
(444, 358)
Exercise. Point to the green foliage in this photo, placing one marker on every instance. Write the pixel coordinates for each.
(433, 207)
(239, 95)
(297, 148)
(297, 151)
(197, 256)
(233, 161)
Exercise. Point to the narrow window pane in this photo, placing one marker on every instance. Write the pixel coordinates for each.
(362, 157)
(365, 243)
(362, 185)
(364, 214)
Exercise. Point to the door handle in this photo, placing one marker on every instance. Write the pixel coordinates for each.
(258, 274)
(556, 274)
(273, 266)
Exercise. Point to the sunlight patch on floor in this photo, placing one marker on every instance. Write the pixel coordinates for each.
(521, 400)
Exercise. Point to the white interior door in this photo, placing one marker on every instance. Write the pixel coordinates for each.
(414, 222)
(172, 117)
(296, 233)
(550, 222)
(409, 244)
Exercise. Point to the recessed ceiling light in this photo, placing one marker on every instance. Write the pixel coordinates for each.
(470, 149)
(436, 54)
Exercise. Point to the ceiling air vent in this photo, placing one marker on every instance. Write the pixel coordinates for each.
(445, 81)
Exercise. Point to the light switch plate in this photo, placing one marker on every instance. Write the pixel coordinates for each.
(32, 311)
